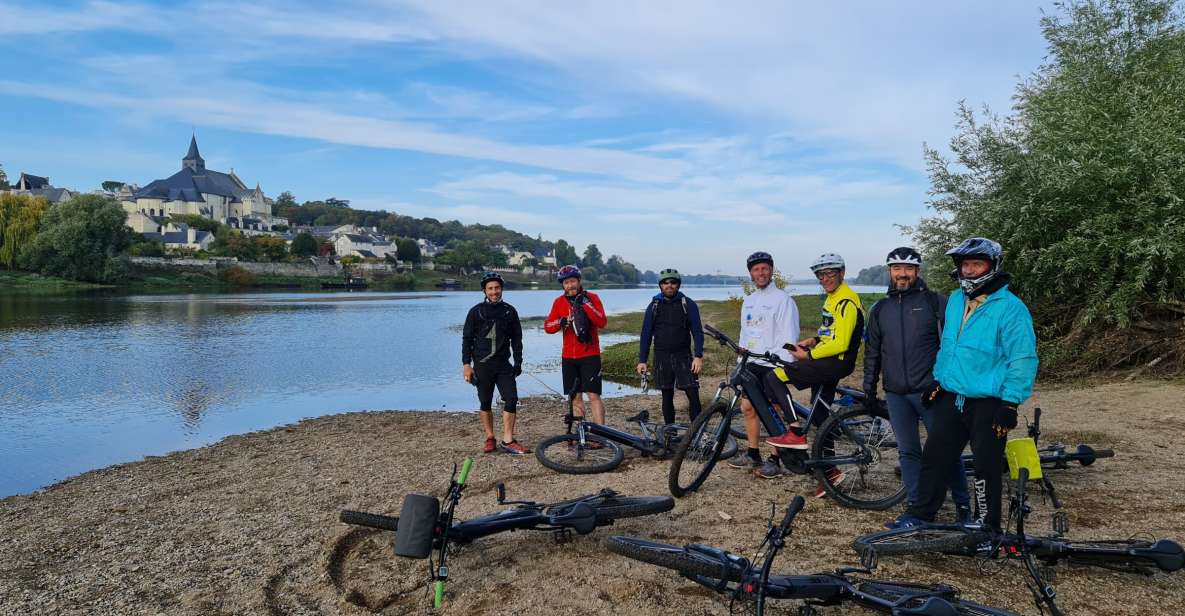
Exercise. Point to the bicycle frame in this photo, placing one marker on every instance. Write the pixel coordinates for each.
(647, 444)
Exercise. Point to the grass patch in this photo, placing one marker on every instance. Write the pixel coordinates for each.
(27, 282)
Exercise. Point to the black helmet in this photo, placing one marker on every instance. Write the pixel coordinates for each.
(904, 256)
(977, 248)
(494, 276)
(759, 257)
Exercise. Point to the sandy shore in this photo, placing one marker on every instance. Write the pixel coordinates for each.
(249, 525)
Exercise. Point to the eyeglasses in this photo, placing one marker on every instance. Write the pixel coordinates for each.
(831, 273)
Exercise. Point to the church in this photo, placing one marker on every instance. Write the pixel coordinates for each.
(203, 192)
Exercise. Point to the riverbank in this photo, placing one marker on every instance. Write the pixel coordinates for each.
(27, 282)
(249, 525)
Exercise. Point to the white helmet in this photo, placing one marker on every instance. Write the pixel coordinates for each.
(904, 256)
(828, 260)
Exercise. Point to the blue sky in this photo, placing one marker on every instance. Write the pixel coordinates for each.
(677, 134)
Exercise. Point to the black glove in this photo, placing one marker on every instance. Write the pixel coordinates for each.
(563, 323)
(518, 370)
(870, 401)
(931, 395)
(1004, 419)
(582, 298)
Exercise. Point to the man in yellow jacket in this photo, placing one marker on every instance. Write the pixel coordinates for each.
(821, 360)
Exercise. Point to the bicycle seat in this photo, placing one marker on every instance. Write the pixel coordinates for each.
(580, 517)
(1168, 554)
(931, 606)
(642, 417)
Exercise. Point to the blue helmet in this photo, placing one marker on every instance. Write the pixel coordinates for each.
(759, 257)
(977, 248)
(567, 271)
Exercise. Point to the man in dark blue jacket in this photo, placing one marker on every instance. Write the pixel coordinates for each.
(672, 322)
(901, 342)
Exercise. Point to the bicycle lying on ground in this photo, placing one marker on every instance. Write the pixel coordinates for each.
(424, 525)
(587, 447)
(858, 441)
(1054, 455)
(1139, 555)
(748, 581)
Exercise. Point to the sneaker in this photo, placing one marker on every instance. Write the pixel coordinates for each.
(772, 469)
(515, 448)
(745, 461)
(835, 476)
(904, 521)
(962, 514)
(789, 440)
(491, 445)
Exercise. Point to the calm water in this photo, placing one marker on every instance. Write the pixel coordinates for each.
(89, 381)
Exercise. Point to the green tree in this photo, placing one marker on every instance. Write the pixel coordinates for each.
(112, 185)
(875, 275)
(1083, 185)
(270, 247)
(3, 179)
(408, 250)
(283, 203)
(81, 239)
(200, 223)
(592, 257)
(304, 245)
(241, 247)
(565, 254)
(20, 218)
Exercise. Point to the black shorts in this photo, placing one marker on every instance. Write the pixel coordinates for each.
(816, 372)
(582, 375)
(500, 374)
(672, 370)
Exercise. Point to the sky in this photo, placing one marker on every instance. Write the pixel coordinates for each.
(676, 134)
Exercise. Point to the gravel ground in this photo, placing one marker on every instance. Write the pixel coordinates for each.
(249, 525)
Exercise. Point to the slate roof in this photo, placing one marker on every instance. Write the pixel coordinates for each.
(359, 239)
(366, 254)
(177, 237)
(193, 180)
(51, 194)
(32, 182)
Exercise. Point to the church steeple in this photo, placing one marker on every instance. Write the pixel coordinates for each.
(192, 159)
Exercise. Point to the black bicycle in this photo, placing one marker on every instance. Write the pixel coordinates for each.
(586, 447)
(1054, 455)
(857, 440)
(749, 583)
(1134, 554)
(424, 525)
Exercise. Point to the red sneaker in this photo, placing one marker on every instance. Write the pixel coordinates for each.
(789, 440)
(491, 445)
(835, 477)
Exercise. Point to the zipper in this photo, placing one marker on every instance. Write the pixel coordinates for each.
(904, 359)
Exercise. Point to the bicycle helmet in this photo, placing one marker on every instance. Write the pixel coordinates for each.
(828, 260)
(759, 257)
(491, 276)
(670, 274)
(904, 256)
(977, 248)
(567, 271)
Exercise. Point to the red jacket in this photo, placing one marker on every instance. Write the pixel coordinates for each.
(573, 348)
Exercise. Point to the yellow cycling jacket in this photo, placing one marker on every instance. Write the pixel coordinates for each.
(842, 316)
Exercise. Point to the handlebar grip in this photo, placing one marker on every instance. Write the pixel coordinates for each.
(468, 464)
(373, 520)
(796, 506)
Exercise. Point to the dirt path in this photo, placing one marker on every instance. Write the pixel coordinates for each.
(248, 526)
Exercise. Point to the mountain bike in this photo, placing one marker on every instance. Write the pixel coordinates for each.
(857, 440)
(749, 583)
(1133, 554)
(425, 525)
(1054, 455)
(586, 447)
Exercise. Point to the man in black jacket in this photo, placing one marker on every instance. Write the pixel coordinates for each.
(492, 333)
(672, 322)
(901, 341)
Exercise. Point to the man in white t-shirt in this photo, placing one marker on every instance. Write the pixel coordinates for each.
(769, 320)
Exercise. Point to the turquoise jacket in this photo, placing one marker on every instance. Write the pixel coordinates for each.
(995, 354)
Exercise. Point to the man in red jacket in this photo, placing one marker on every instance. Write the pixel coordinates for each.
(579, 314)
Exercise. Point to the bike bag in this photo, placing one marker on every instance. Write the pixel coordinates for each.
(755, 392)
(1022, 453)
(417, 526)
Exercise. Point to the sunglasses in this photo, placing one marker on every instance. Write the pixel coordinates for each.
(827, 274)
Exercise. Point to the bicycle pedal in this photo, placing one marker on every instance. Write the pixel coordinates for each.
(1061, 523)
(868, 559)
(561, 536)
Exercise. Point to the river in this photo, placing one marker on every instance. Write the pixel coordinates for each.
(90, 380)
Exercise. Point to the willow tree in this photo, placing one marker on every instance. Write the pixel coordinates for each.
(1083, 184)
(20, 218)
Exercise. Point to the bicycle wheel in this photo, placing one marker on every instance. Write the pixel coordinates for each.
(672, 557)
(925, 539)
(730, 443)
(615, 507)
(698, 453)
(565, 454)
(919, 596)
(862, 445)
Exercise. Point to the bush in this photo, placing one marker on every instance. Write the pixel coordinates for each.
(81, 239)
(236, 276)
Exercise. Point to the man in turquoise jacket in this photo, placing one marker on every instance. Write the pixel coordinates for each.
(986, 366)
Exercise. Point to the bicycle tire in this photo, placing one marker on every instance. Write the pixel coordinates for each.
(872, 485)
(555, 452)
(615, 507)
(926, 539)
(674, 557)
(705, 453)
(373, 520)
(895, 591)
(730, 444)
